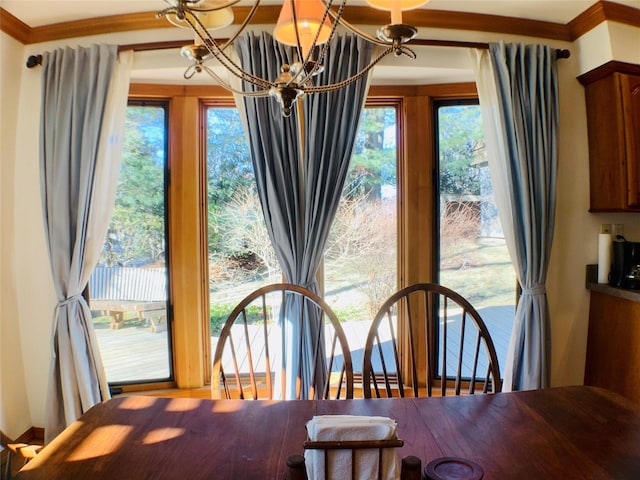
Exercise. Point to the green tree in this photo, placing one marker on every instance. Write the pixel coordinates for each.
(461, 143)
(374, 158)
(136, 232)
(229, 170)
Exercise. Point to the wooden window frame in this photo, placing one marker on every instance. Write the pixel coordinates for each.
(187, 210)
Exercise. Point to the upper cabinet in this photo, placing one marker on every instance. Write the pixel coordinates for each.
(613, 114)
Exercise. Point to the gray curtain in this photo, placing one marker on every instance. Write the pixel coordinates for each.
(301, 162)
(275, 153)
(523, 169)
(74, 94)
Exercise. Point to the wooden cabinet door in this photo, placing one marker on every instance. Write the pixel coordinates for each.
(605, 119)
(630, 86)
(612, 94)
(613, 345)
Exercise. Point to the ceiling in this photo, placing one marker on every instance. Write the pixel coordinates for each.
(438, 66)
(36, 13)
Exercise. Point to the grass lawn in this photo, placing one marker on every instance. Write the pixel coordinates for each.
(480, 270)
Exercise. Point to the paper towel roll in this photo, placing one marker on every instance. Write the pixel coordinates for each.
(604, 257)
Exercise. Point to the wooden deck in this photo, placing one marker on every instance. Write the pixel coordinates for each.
(135, 352)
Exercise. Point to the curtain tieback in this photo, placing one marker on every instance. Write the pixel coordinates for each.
(536, 290)
(72, 298)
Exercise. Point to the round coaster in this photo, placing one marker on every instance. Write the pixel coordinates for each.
(453, 468)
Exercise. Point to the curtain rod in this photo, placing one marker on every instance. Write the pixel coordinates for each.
(35, 60)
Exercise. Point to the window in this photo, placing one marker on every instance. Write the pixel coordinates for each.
(360, 267)
(209, 179)
(472, 255)
(361, 258)
(129, 288)
(240, 256)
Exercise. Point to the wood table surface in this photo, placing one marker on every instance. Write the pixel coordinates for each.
(558, 433)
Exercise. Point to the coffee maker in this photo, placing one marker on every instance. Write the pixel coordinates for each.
(625, 270)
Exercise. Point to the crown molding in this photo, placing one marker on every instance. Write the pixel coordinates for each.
(482, 23)
(599, 12)
(607, 69)
(97, 26)
(269, 14)
(13, 27)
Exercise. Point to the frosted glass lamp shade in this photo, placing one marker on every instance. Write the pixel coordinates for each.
(404, 4)
(396, 7)
(211, 20)
(309, 15)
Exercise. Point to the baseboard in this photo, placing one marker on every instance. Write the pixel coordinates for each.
(34, 435)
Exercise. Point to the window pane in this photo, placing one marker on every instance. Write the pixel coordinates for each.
(128, 289)
(241, 258)
(474, 260)
(361, 245)
(361, 256)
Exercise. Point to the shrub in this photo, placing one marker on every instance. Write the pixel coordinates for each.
(218, 314)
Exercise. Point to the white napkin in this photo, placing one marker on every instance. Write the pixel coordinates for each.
(351, 427)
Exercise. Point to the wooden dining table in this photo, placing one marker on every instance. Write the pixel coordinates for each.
(557, 433)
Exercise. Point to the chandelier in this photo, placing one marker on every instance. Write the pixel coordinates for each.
(306, 25)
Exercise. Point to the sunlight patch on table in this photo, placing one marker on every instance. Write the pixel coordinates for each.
(137, 403)
(101, 442)
(162, 434)
(178, 405)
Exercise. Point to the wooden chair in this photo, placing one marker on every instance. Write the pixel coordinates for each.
(23, 450)
(443, 342)
(264, 332)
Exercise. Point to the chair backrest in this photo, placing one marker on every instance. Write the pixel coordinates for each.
(282, 341)
(425, 336)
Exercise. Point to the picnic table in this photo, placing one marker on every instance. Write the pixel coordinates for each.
(153, 313)
(117, 291)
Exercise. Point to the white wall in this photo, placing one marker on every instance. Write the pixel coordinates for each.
(608, 41)
(28, 299)
(14, 409)
(576, 243)
(35, 295)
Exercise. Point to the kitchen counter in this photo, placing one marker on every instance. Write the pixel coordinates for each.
(593, 285)
(613, 342)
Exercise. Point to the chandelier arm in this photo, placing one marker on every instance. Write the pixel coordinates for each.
(226, 86)
(296, 79)
(303, 75)
(236, 70)
(185, 12)
(214, 49)
(317, 64)
(317, 35)
(191, 71)
(181, 11)
(353, 78)
(244, 24)
(353, 29)
(195, 8)
(402, 50)
(294, 16)
(325, 49)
